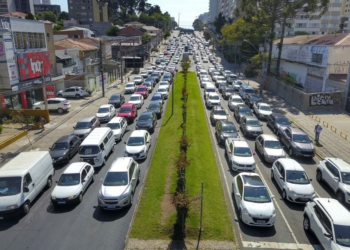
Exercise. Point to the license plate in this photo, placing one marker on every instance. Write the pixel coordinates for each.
(61, 202)
(260, 221)
(110, 206)
(304, 199)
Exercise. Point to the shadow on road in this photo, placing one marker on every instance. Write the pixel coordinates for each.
(108, 216)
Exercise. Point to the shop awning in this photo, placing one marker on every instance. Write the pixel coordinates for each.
(62, 55)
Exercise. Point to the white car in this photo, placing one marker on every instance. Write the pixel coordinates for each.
(118, 125)
(150, 70)
(269, 148)
(262, 110)
(292, 179)
(205, 59)
(138, 145)
(144, 74)
(239, 155)
(136, 99)
(138, 80)
(212, 100)
(72, 184)
(204, 82)
(54, 104)
(164, 84)
(119, 184)
(164, 91)
(106, 112)
(254, 203)
(130, 87)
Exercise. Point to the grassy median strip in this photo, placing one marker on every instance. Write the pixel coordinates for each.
(155, 216)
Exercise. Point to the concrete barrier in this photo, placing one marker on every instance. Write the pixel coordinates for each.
(326, 124)
(343, 135)
(334, 129)
(13, 139)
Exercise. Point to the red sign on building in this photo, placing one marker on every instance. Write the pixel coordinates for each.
(50, 92)
(33, 64)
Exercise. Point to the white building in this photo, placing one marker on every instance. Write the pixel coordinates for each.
(213, 10)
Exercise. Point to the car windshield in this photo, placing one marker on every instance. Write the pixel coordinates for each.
(147, 84)
(265, 108)
(60, 146)
(114, 97)
(141, 89)
(297, 177)
(113, 125)
(273, 144)
(214, 97)
(83, 125)
(242, 152)
(103, 110)
(116, 179)
(69, 180)
(229, 90)
(125, 110)
(137, 77)
(345, 177)
(250, 91)
(223, 85)
(244, 110)
(129, 85)
(219, 112)
(282, 120)
(210, 90)
(153, 106)
(10, 186)
(145, 118)
(301, 138)
(134, 98)
(256, 194)
(229, 129)
(143, 72)
(156, 98)
(342, 235)
(254, 98)
(163, 84)
(136, 141)
(89, 150)
(253, 123)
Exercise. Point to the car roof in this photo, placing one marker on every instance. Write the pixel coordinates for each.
(87, 119)
(341, 164)
(57, 99)
(290, 164)
(75, 167)
(252, 179)
(339, 214)
(116, 94)
(148, 113)
(116, 119)
(240, 143)
(263, 104)
(227, 123)
(127, 105)
(278, 115)
(138, 95)
(242, 106)
(120, 164)
(65, 138)
(130, 83)
(251, 118)
(295, 130)
(213, 94)
(269, 137)
(106, 105)
(138, 133)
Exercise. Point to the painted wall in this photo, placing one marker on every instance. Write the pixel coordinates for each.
(296, 71)
(339, 59)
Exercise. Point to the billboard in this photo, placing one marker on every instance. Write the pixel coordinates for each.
(50, 91)
(33, 64)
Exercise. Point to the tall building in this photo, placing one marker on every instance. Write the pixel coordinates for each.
(227, 7)
(47, 2)
(204, 17)
(37, 2)
(88, 11)
(25, 6)
(213, 10)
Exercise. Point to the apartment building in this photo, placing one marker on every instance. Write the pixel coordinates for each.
(25, 6)
(213, 9)
(88, 11)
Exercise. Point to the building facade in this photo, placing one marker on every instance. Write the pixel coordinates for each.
(204, 17)
(213, 10)
(47, 7)
(88, 11)
(25, 6)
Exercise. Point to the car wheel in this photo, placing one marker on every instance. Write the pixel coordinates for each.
(77, 96)
(37, 108)
(49, 182)
(284, 195)
(26, 207)
(131, 199)
(290, 151)
(275, 131)
(306, 223)
(340, 197)
(112, 150)
(318, 176)
(80, 198)
(104, 161)
(244, 133)
(139, 178)
(240, 215)
(60, 110)
(272, 176)
(92, 179)
(59, 95)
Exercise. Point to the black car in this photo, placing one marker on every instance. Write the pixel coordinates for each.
(275, 121)
(158, 97)
(168, 78)
(117, 100)
(156, 76)
(222, 86)
(251, 99)
(147, 121)
(151, 80)
(241, 110)
(227, 91)
(156, 107)
(224, 130)
(64, 149)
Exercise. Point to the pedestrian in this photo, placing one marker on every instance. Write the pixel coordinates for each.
(42, 123)
(128, 78)
(318, 129)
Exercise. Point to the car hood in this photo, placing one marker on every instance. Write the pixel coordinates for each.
(102, 114)
(305, 189)
(220, 117)
(112, 191)
(262, 210)
(117, 131)
(120, 114)
(254, 129)
(57, 153)
(134, 149)
(275, 152)
(10, 200)
(143, 123)
(129, 87)
(230, 135)
(81, 131)
(304, 146)
(236, 103)
(66, 191)
(244, 160)
(134, 102)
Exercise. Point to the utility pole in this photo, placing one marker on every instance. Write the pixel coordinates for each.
(44, 86)
(101, 70)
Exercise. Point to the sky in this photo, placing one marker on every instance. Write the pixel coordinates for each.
(189, 9)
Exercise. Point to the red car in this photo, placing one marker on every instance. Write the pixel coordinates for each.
(142, 90)
(128, 111)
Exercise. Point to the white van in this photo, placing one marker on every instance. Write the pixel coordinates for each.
(97, 146)
(22, 179)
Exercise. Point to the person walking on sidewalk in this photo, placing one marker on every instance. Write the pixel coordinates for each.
(42, 123)
(318, 129)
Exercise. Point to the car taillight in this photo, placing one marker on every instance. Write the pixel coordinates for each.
(65, 104)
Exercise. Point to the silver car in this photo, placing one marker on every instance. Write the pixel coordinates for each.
(250, 126)
(269, 148)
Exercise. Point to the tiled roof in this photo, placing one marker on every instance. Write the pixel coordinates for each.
(15, 14)
(150, 28)
(69, 43)
(329, 39)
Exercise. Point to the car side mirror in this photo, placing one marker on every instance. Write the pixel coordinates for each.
(282, 178)
(328, 235)
(74, 127)
(238, 195)
(25, 189)
(50, 148)
(272, 197)
(83, 181)
(336, 178)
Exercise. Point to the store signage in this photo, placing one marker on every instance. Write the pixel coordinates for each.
(5, 23)
(50, 92)
(33, 64)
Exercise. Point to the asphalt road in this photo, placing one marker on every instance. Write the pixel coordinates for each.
(288, 232)
(84, 226)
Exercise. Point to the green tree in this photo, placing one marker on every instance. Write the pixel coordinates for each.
(58, 26)
(146, 38)
(63, 16)
(219, 22)
(30, 16)
(198, 25)
(112, 31)
(300, 33)
(207, 35)
(47, 15)
(154, 9)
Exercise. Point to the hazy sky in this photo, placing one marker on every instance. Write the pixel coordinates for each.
(189, 9)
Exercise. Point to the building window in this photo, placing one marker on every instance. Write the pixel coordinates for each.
(317, 58)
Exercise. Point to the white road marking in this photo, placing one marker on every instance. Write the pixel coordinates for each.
(278, 245)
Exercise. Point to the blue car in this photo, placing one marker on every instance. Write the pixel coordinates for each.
(157, 97)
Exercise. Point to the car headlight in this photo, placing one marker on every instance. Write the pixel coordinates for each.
(12, 207)
(100, 195)
(253, 165)
(235, 163)
(142, 151)
(53, 198)
(73, 197)
(222, 136)
(124, 196)
(348, 193)
(151, 126)
(245, 211)
(273, 213)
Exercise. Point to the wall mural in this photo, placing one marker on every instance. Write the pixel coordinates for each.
(328, 99)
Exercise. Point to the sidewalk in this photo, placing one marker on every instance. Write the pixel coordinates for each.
(336, 125)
